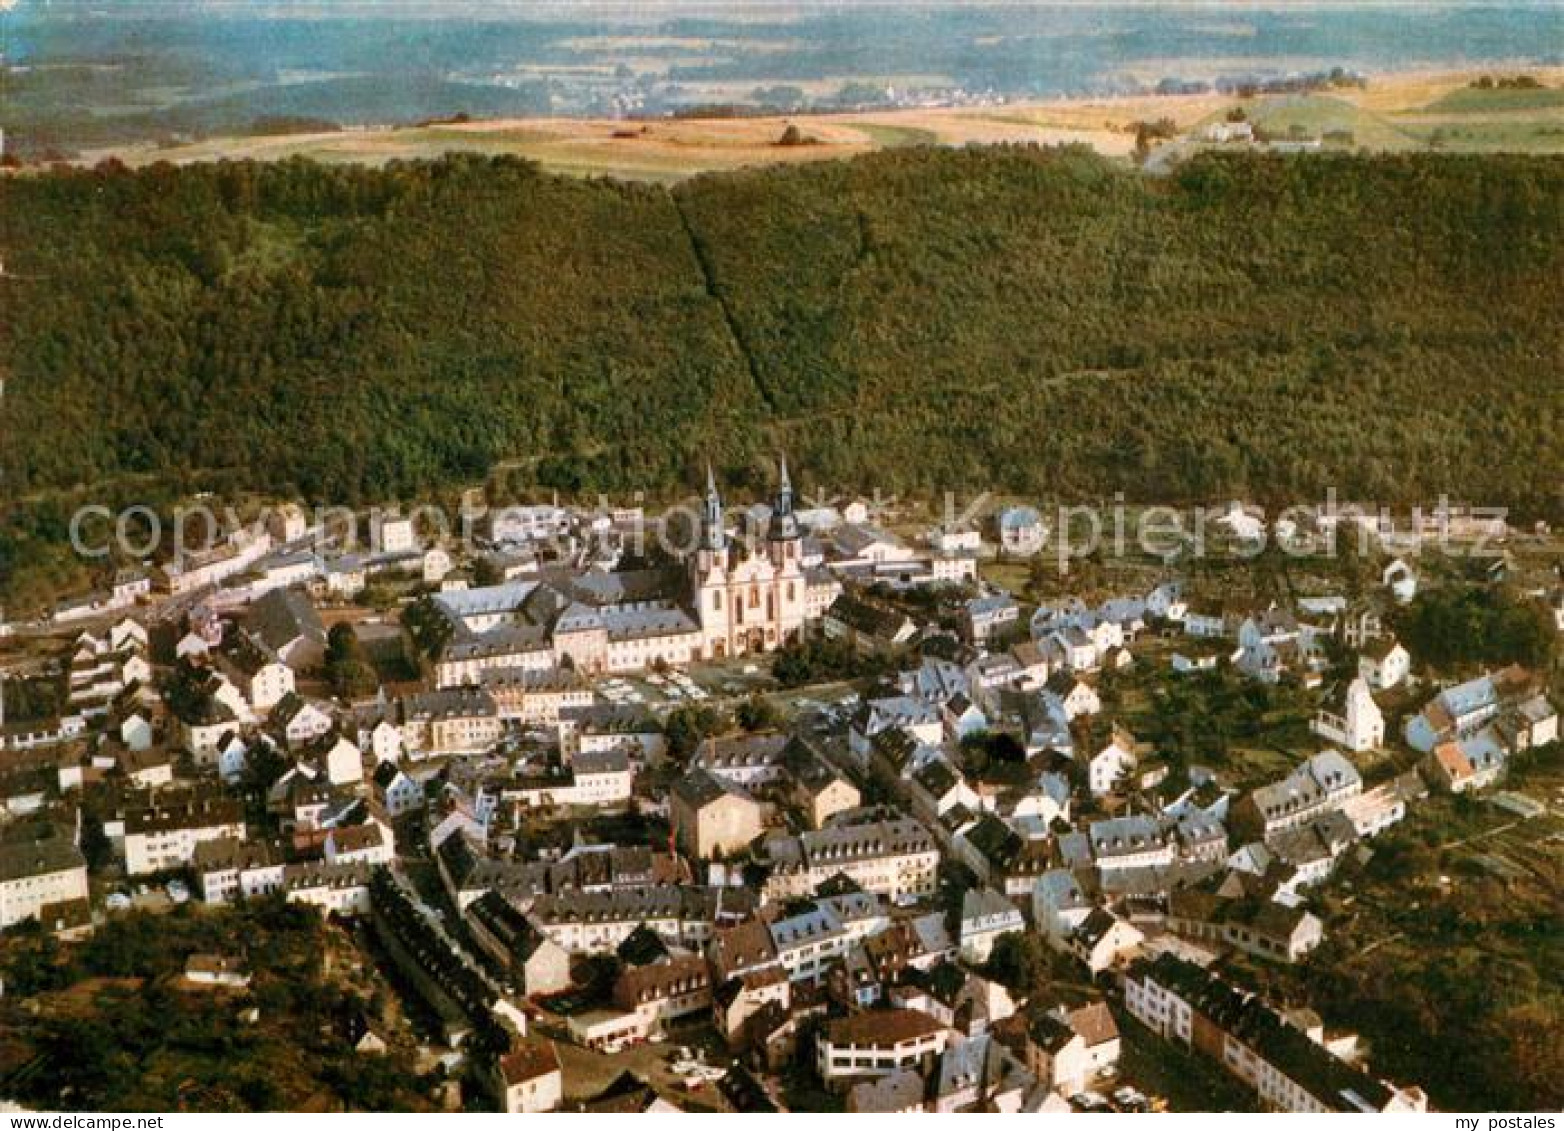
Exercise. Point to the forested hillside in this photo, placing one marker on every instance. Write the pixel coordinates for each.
(1037, 321)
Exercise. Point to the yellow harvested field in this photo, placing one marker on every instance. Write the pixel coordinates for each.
(661, 149)
(668, 149)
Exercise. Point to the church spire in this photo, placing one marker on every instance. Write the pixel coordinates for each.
(784, 525)
(712, 534)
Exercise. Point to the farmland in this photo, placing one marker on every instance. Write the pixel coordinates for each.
(1394, 113)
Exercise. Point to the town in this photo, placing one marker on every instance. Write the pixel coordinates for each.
(840, 808)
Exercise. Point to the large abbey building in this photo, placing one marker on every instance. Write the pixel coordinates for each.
(731, 597)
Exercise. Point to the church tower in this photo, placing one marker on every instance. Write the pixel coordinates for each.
(783, 538)
(786, 546)
(709, 574)
(712, 551)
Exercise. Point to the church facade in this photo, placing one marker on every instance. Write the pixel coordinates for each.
(748, 596)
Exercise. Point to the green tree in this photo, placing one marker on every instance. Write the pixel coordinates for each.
(758, 713)
(348, 667)
(687, 727)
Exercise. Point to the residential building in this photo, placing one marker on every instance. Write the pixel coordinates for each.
(1130, 842)
(986, 915)
(287, 624)
(876, 1043)
(529, 1079)
(1287, 1067)
(870, 627)
(449, 721)
(1351, 718)
(228, 869)
(535, 963)
(1262, 928)
(665, 994)
(1021, 531)
(1384, 663)
(40, 865)
(165, 833)
(1321, 784)
(712, 818)
(897, 859)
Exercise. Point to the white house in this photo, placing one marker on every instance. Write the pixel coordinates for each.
(255, 669)
(232, 757)
(1352, 719)
(135, 731)
(1070, 697)
(390, 534)
(962, 718)
(368, 843)
(299, 720)
(398, 792)
(36, 872)
(1206, 620)
(1103, 941)
(342, 761)
(1059, 904)
(1384, 663)
(1076, 649)
(1167, 601)
(529, 1078)
(1120, 843)
(1110, 764)
(985, 916)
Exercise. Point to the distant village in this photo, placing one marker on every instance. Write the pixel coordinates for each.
(566, 787)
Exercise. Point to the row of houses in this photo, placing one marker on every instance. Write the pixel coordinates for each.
(1285, 1061)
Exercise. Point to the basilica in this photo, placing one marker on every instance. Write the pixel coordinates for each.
(748, 596)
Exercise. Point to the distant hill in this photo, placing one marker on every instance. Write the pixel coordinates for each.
(1336, 121)
(918, 319)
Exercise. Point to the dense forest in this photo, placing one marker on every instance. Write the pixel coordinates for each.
(109, 1023)
(1039, 321)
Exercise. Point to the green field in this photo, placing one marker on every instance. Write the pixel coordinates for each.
(1498, 101)
(890, 137)
(1316, 116)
